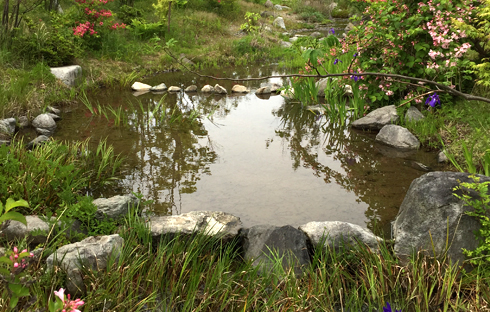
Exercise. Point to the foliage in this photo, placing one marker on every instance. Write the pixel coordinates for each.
(250, 24)
(54, 174)
(414, 39)
(6, 214)
(129, 13)
(481, 204)
(53, 45)
(479, 30)
(15, 276)
(144, 30)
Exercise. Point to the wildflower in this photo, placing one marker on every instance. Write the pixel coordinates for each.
(332, 31)
(337, 61)
(68, 304)
(356, 54)
(355, 77)
(433, 100)
(388, 308)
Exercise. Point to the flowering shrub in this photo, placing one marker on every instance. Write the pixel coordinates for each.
(411, 38)
(15, 276)
(96, 19)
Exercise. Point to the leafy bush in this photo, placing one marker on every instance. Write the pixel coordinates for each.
(481, 203)
(414, 39)
(128, 13)
(145, 31)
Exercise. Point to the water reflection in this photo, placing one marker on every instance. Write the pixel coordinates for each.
(264, 160)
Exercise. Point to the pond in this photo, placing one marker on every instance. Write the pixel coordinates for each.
(265, 160)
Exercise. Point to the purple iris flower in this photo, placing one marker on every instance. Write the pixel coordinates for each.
(355, 54)
(332, 31)
(336, 61)
(433, 100)
(388, 308)
(355, 77)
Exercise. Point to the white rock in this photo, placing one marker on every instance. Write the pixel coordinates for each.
(138, 86)
(207, 89)
(67, 74)
(219, 89)
(174, 89)
(279, 22)
(239, 89)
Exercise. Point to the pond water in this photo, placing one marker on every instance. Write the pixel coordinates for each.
(264, 160)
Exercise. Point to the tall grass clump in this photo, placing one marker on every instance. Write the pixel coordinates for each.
(54, 173)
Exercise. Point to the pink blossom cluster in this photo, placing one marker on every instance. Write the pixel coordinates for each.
(82, 28)
(92, 2)
(68, 304)
(15, 258)
(96, 14)
(117, 25)
(411, 95)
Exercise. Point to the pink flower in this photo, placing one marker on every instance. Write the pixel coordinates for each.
(68, 304)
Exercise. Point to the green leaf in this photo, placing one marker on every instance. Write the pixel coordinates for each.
(6, 260)
(12, 204)
(12, 215)
(13, 301)
(4, 272)
(15, 288)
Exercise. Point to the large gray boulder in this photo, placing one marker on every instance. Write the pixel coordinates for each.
(116, 207)
(336, 234)
(377, 119)
(206, 222)
(260, 241)
(413, 114)
(93, 252)
(279, 22)
(268, 4)
(398, 137)
(69, 75)
(431, 217)
(44, 124)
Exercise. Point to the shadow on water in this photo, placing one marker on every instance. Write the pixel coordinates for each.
(265, 160)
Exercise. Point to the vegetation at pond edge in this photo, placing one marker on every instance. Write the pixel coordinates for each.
(119, 41)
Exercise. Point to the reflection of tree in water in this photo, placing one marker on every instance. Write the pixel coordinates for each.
(168, 158)
(379, 181)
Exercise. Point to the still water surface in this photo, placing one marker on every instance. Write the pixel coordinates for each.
(264, 160)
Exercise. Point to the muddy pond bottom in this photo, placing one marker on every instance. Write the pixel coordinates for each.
(265, 160)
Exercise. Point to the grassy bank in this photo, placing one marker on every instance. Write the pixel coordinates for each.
(204, 274)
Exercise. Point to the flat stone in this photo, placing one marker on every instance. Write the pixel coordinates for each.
(207, 89)
(174, 89)
(36, 230)
(377, 119)
(336, 235)
(286, 44)
(69, 75)
(316, 34)
(239, 89)
(92, 252)
(263, 90)
(54, 116)
(138, 86)
(159, 88)
(219, 89)
(207, 222)
(398, 137)
(116, 207)
(191, 88)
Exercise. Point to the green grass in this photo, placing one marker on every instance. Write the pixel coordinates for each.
(203, 273)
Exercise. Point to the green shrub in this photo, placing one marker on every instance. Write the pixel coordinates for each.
(128, 13)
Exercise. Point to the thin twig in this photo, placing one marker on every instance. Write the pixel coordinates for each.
(447, 89)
